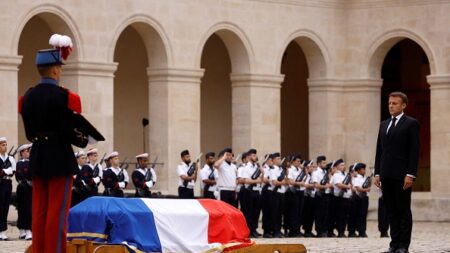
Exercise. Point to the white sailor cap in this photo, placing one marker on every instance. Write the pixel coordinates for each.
(92, 151)
(111, 155)
(3, 139)
(79, 154)
(24, 146)
(144, 155)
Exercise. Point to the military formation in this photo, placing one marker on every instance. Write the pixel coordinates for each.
(290, 195)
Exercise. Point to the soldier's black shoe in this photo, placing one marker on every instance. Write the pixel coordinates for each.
(352, 235)
(364, 235)
(278, 235)
(308, 234)
(402, 250)
(384, 234)
(322, 235)
(254, 234)
(22, 237)
(331, 235)
(390, 250)
(267, 235)
(341, 235)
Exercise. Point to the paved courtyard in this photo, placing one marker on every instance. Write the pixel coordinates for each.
(427, 237)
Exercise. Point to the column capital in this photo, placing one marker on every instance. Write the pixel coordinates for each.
(180, 75)
(10, 62)
(94, 69)
(439, 82)
(257, 80)
(345, 84)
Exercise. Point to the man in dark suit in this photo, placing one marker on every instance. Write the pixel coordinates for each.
(48, 113)
(396, 168)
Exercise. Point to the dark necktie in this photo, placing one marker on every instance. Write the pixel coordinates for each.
(393, 120)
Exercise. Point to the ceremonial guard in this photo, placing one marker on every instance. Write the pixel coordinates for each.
(209, 176)
(79, 191)
(53, 122)
(321, 183)
(341, 182)
(331, 214)
(279, 182)
(296, 177)
(352, 213)
(92, 172)
(187, 173)
(308, 211)
(24, 192)
(361, 186)
(226, 177)
(144, 178)
(7, 169)
(253, 177)
(240, 181)
(266, 199)
(115, 178)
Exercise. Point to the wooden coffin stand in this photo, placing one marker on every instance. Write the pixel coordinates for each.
(84, 246)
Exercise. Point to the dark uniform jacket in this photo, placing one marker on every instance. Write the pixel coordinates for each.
(398, 151)
(47, 111)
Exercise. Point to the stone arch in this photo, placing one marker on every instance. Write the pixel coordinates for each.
(384, 42)
(316, 53)
(237, 44)
(58, 20)
(157, 44)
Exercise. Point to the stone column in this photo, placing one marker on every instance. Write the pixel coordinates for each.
(326, 118)
(9, 98)
(361, 118)
(440, 136)
(94, 82)
(174, 108)
(256, 112)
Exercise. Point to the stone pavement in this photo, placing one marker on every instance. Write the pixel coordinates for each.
(427, 237)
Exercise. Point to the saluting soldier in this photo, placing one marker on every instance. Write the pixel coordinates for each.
(24, 192)
(209, 176)
(79, 191)
(115, 178)
(253, 177)
(92, 173)
(186, 182)
(144, 178)
(7, 169)
(226, 177)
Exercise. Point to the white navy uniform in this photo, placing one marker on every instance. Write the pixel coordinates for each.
(182, 170)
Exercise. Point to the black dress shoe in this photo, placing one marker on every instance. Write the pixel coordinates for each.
(254, 234)
(341, 235)
(267, 235)
(308, 234)
(259, 234)
(364, 235)
(390, 250)
(278, 235)
(384, 234)
(331, 235)
(402, 250)
(352, 235)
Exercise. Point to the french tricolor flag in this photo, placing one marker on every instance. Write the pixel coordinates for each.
(159, 225)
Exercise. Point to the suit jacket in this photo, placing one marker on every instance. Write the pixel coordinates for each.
(47, 112)
(398, 152)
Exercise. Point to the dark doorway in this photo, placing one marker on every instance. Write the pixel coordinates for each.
(405, 69)
(294, 102)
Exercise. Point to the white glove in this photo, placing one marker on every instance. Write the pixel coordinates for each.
(8, 171)
(149, 184)
(122, 185)
(96, 180)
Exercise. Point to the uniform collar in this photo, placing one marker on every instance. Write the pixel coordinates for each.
(48, 80)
